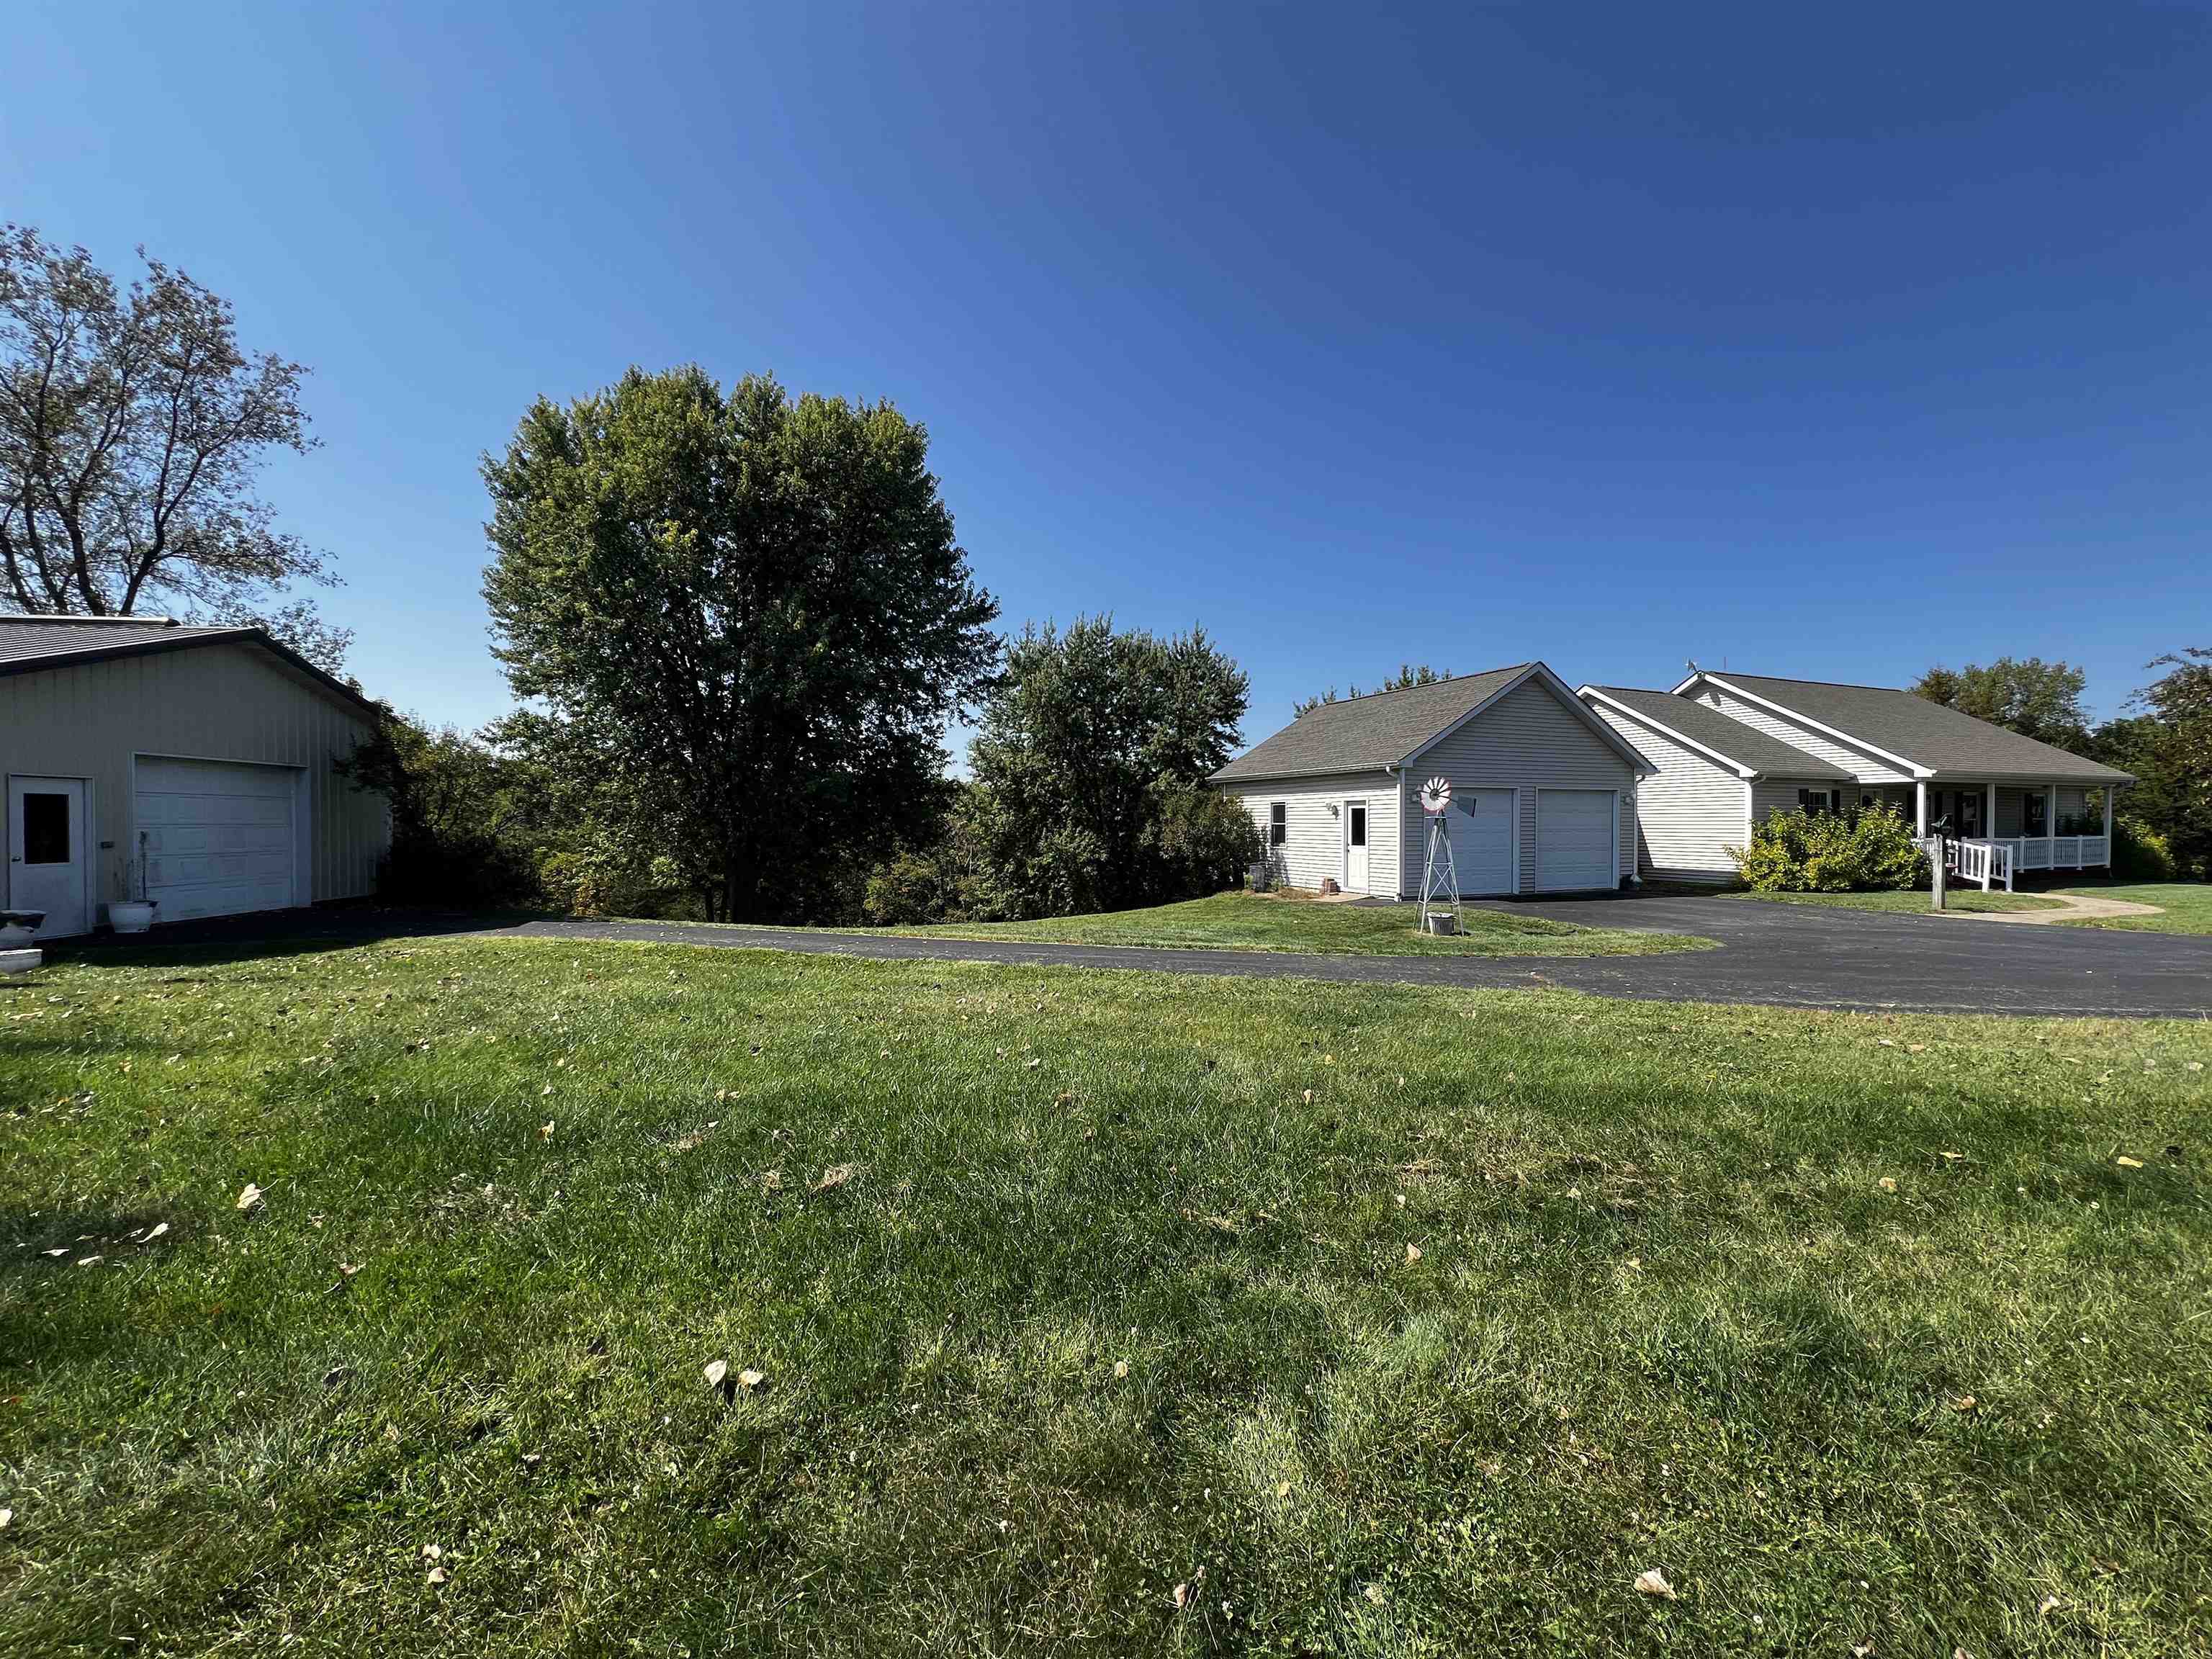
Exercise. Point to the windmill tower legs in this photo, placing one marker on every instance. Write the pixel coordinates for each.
(1440, 880)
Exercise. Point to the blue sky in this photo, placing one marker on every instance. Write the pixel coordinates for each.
(1825, 344)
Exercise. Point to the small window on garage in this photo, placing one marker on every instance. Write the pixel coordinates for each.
(45, 828)
(1278, 828)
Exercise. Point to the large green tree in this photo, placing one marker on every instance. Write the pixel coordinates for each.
(2036, 699)
(2168, 746)
(742, 620)
(1089, 767)
(132, 425)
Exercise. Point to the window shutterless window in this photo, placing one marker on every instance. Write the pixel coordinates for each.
(1278, 823)
(1359, 826)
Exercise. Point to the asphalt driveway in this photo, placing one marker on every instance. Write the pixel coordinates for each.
(1787, 955)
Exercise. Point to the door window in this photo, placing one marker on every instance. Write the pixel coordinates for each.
(1359, 826)
(2032, 821)
(46, 829)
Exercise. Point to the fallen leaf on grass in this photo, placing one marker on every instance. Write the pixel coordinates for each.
(1889, 1183)
(436, 1576)
(7, 1518)
(1121, 1368)
(1965, 1405)
(1182, 1595)
(1413, 1254)
(545, 1130)
(716, 1370)
(1374, 1593)
(1652, 1581)
(2049, 1605)
(836, 1176)
(1916, 1047)
(159, 1228)
(250, 1198)
(2129, 1163)
(750, 1379)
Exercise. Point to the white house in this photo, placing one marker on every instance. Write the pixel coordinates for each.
(1544, 791)
(1730, 749)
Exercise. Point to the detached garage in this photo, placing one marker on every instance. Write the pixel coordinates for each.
(210, 752)
(1543, 790)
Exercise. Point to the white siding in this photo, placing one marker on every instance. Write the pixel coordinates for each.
(1527, 738)
(1772, 795)
(222, 702)
(1314, 844)
(1861, 765)
(1689, 815)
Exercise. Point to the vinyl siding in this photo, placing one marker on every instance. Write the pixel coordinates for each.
(226, 702)
(1861, 766)
(1689, 815)
(1527, 739)
(1314, 836)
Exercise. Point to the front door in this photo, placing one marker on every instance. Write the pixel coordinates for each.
(46, 853)
(1355, 845)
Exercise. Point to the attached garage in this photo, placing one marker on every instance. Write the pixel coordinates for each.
(1543, 790)
(210, 754)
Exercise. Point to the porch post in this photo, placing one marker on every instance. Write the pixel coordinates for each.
(1920, 808)
(2108, 826)
(1989, 811)
(2050, 820)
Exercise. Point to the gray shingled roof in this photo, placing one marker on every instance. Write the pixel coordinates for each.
(23, 638)
(1768, 756)
(1924, 733)
(1358, 734)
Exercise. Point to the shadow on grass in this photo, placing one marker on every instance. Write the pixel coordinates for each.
(280, 933)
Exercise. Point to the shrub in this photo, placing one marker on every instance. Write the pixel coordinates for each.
(1205, 840)
(459, 830)
(2140, 853)
(1868, 851)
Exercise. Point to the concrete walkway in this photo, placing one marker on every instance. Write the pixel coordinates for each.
(2075, 907)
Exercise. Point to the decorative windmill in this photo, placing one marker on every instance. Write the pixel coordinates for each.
(1440, 880)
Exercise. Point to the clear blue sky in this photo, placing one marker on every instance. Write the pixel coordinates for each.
(1829, 345)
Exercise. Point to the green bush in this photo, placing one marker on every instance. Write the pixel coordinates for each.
(2140, 853)
(1864, 851)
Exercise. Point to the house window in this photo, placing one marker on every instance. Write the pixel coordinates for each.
(1278, 823)
(1814, 802)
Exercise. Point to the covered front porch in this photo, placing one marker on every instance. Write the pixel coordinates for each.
(1995, 829)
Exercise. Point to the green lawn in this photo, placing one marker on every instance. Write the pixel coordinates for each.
(1967, 901)
(1860, 1329)
(1247, 921)
(2187, 905)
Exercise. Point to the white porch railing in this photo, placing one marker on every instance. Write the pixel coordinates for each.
(1983, 861)
(2050, 851)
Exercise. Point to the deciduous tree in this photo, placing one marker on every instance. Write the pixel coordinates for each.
(2036, 699)
(743, 621)
(132, 424)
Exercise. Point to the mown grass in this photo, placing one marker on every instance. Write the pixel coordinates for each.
(1250, 921)
(1967, 901)
(1666, 1315)
(2187, 907)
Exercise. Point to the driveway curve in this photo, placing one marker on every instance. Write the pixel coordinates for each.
(1780, 955)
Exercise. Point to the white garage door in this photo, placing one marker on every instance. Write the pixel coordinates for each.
(1481, 831)
(1574, 840)
(219, 838)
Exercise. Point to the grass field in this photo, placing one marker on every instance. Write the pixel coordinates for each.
(1967, 901)
(1246, 922)
(2187, 906)
(1087, 1315)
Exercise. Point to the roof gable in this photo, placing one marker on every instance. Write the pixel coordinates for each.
(1752, 752)
(1384, 728)
(1929, 737)
(32, 644)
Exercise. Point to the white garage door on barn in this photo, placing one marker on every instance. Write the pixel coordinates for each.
(1481, 828)
(1576, 841)
(219, 838)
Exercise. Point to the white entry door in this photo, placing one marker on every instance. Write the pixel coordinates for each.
(46, 853)
(1355, 845)
(1575, 840)
(218, 836)
(1480, 824)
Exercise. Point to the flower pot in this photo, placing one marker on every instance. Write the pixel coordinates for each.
(130, 915)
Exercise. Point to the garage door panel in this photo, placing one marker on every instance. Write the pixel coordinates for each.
(1480, 824)
(1575, 840)
(219, 838)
